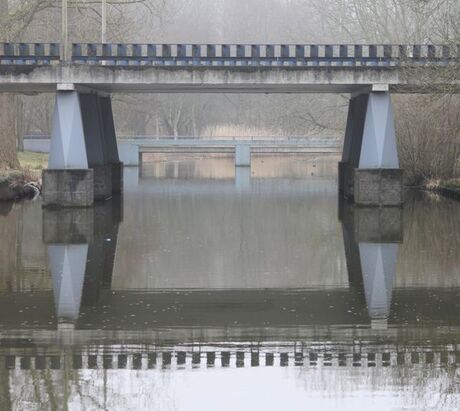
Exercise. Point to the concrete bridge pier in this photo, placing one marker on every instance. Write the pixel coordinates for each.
(130, 154)
(243, 179)
(243, 155)
(83, 165)
(371, 239)
(110, 140)
(369, 172)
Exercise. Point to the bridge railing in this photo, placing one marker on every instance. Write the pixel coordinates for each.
(29, 53)
(265, 54)
(301, 139)
(233, 54)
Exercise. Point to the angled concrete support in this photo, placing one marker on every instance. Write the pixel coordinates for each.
(83, 164)
(243, 155)
(369, 172)
(96, 146)
(111, 148)
(371, 240)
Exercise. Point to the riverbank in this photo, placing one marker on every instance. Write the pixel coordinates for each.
(26, 182)
(449, 188)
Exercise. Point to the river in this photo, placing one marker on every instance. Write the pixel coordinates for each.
(202, 288)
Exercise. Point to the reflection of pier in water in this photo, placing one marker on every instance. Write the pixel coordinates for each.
(85, 326)
(81, 247)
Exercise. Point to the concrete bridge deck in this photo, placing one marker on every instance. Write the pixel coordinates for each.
(228, 146)
(238, 68)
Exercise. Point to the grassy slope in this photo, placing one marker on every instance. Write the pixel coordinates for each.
(454, 183)
(33, 161)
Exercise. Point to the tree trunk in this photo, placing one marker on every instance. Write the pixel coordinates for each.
(3, 17)
(20, 129)
(3, 8)
(8, 153)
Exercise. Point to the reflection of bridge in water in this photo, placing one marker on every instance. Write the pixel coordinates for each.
(91, 331)
(299, 354)
(185, 326)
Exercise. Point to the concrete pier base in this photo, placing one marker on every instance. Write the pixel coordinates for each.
(102, 182)
(242, 155)
(117, 178)
(371, 187)
(381, 187)
(68, 188)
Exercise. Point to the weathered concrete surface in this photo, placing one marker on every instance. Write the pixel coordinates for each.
(68, 188)
(129, 154)
(243, 155)
(371, 187)
(102, 182)
(372, 224)
(68, 225)
(345, 179)
(378, 187)
(117, 178)
(148, 79)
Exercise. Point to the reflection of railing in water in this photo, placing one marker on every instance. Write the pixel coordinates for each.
(207, 357)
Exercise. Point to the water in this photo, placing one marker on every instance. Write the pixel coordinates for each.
(202, 290)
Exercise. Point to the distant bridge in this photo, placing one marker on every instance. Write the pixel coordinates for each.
(131, 150)
(86, 158)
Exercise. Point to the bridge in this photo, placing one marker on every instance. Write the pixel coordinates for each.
(85, 156)
(189, 326)
(131, 150)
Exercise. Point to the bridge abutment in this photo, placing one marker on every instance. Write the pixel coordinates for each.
(369, 172)
(84, 165)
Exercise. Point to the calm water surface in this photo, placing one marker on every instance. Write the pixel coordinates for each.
(205, 290)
